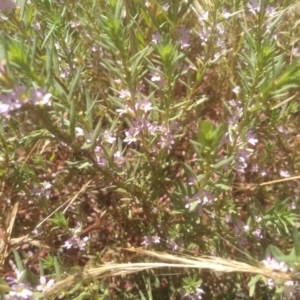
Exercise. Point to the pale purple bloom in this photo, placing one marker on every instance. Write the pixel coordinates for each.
(203, 199)
(258, 233)
(14, 99)
(144, 105)
(108, 137)
(18, 97)
(197, 295)
(192, 180)
(239, 228)
(184, 36)
(204, 16)
(39, 97)
(258, 219)
(246, 227)
(225, 14)
(289, 289)
(295, 52)
(242, 156)
(101, 160)
(156, 38)
(254, 7)
(199, 292)
(147, 241)
(271, 263)
(284, 174)
(188, 200)
(130, 136)
(65, 72)
(173, 245)
(20, 291)
(204, 36)
(79, 131)
(270, 282)
(166, 141)
(44, 285)
(228, 218)
(140, 124)
(125, 110)
(270, 11)
(251, 138)
(264, 173)
(156, 239)
(7, 6)
(155, 77)
(76, 242)
(118, 159)
(220, 43)
(236, 90)
(166, 6)
(124, 94)
(37, 26)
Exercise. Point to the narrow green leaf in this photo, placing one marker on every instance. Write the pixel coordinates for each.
(57, 269)
(223, 162)
(296, 240)
(18, 260)
(4, 287)
(72, 119)
(74, 84)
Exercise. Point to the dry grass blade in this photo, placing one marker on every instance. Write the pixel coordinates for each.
(68, 202)
(7, 234)
(28, 240)
(212, 263)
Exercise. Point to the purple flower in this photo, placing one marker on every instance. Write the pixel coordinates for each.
(144, 105)
(18, 97)
(184, 36)
(251, 138)
(44, 285)
(100, 156)
(166, 141)
(225, 14)
(204, 36)
(118, 159)
(204, 16)
(124, 94)
(156, 239)
(140, 124)
(156, 38)
(108, 137)
(284, 174)
(289, 289)
(147, 241)
(236, 90)
(242, 156)
(76, 242)
(125, 110)
(273, 264)
(258, 233)
(203, 198)
(270, 11)
(253, 6)
(7, 6)
(39, 97)
(196, 295)
(20, 291)
(192, 180)
(130, 136)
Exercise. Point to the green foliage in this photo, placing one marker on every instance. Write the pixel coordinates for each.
(164, 125)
